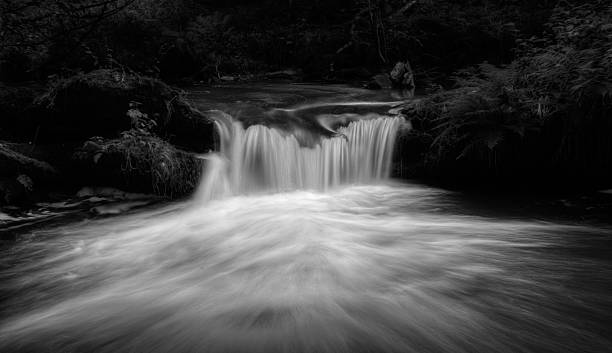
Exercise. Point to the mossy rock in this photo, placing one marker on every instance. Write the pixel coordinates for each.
(139, 162)
(97, 104)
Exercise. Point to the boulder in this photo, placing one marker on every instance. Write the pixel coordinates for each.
(106, 102)
(190, 129)
(138, 162)
(402, 76)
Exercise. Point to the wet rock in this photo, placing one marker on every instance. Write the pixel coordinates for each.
(108, 192)
(5, 217)
(288, 74)
(26, 182)
(118, 207)
(190, 129)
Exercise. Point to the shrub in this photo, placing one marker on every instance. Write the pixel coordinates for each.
(142, 162)
(547, 112)
(486, 109)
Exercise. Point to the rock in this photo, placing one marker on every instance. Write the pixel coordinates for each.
(93, 193)
(137, 162)
(96, 199)
(26, 182)
(402, 76)
(190, 129)
(5, 217)
(106, 102)
(288, 74)
(118, 207)
(397, 74)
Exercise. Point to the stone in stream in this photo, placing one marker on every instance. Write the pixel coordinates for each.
(402, 76)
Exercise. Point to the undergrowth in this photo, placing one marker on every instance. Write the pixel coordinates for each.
(145, 162)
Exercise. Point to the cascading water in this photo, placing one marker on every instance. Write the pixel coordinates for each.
(263, 158)
(297, 243)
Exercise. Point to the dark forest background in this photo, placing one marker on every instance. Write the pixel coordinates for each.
(512, 92)
(334, 39)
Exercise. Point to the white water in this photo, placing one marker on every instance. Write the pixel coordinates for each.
(260, 159)
(358, 269)
(287, 248)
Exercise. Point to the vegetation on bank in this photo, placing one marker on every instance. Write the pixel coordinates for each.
(509, 90)
(105, 127)
(544, 117)
(141, 162)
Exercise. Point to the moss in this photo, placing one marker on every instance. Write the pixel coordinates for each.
(98, 104)
(138, 161)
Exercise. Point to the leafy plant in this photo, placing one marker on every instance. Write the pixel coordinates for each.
(143, 162)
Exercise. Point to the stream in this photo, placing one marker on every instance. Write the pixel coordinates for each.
(298, 240)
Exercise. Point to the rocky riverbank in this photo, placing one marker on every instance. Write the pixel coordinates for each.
(105, 127)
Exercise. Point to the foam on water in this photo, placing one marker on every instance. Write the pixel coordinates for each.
(356, 269)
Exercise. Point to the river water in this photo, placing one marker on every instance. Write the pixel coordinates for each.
(325, 255)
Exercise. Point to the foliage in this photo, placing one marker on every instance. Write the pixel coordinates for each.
(140, 161)
(203, 39)
(553, 102)
(486, 109)
(96, 103)
(216, 45)
(439, 37)
(572, 65)
(34, 30)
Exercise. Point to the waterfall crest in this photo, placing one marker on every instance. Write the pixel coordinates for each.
(261, 158)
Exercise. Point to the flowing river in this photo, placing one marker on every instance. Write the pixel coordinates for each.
(298, 241)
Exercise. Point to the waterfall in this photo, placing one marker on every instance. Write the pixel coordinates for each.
(261, 158)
